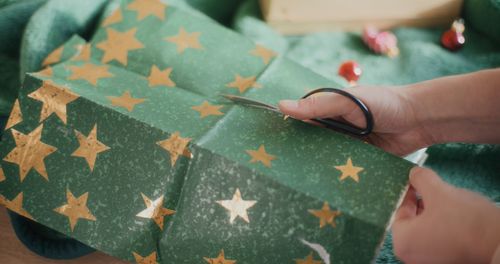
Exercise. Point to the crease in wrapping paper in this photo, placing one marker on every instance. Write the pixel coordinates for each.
(176, 146)
(323, 254)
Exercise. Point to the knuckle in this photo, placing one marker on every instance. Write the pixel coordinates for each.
(306, 102)
(309, 104)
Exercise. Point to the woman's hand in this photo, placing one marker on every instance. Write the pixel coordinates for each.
(397, 129)
(461, 108)
(452, 226)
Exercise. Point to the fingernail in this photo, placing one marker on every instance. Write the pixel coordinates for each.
(288, 104)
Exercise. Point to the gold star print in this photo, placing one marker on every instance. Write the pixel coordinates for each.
(325, 215)
(159, 77)
(89, 147)
(2, 175)
(185, 40)
(30, 152)
(75, 209)
(55, 100)
(242, 84)
(155, 210)
(16, 205)
(265, 54)
(150, 259)
(15, 117)
(46, 72)
(118, 44)
(89, 72)
(114, 18)
(53, 57)
(348, 170)
(261, 155)
(308, 260)
(83, 53)
(126, 101)
(145, 8)
(221, 259)
(206, 109)
(176, 146)
(237, 206)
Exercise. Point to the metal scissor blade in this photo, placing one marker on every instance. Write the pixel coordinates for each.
(250, 102)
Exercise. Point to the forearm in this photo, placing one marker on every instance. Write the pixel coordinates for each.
(496, 256)
(462, 108)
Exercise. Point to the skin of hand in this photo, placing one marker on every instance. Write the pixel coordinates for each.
(452, 226)
(396, 130)
(461, 108)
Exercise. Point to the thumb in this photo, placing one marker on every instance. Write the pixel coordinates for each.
(321, 105)
(426, 182)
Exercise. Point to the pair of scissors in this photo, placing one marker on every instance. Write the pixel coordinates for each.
(327, 122)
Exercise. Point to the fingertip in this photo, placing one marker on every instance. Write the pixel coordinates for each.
(417, 173)
(424, 180)
(286, 106)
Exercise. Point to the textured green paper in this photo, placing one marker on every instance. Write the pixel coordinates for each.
(301, 178)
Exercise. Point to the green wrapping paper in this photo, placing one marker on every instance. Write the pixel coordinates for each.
(125, 144)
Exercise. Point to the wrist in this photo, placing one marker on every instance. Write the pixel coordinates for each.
(496, 256)
(439, 111)
(458, 108)
(422, 112)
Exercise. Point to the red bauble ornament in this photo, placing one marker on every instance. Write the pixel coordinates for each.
(453, 39)
(384, 42)
(351, 71)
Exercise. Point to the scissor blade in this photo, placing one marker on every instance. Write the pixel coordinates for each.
(250, 102)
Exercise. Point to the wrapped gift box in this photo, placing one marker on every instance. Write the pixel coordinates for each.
(125, 144)
(299, 17)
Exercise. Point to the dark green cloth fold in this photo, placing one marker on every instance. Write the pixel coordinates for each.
(484, 16)
(14, 16)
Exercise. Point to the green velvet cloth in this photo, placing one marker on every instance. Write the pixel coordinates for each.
(13, 19)
(484, 16)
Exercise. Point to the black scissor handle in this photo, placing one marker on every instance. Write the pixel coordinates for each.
(346, 127)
